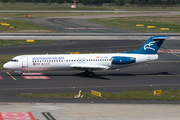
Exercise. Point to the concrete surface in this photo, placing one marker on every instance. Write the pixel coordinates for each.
(80, 111)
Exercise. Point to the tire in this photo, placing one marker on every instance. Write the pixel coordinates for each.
(91, 74)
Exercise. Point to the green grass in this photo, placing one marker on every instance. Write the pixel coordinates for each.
(55, 14)
(126, 95)
(23, 42)
(172, 23)
(21, 27)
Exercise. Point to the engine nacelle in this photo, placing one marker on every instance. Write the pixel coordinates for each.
(123, 60)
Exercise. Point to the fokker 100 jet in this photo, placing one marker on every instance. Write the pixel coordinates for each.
(87, 62)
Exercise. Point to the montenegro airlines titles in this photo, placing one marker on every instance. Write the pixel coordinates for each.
(87, 62)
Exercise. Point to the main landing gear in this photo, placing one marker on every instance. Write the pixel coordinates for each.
(89, 73)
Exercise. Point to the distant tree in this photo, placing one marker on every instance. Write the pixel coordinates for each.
(98, 2)
(91, 2)
(177, 1)
(28, 1)
(48, 1)
(119, 2)
(132, 2)
(143, 1)
(122, 2)
(60, 1)
(155, 2)
(13, 1)
(107, 1)
(43, 1)
(86, 1)
(4, 1)
(139, 2)
(35, 1)
(171, 2)
(53, 1)
(69, 1)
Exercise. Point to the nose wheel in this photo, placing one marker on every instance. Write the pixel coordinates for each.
(21, 74)
(89, 73)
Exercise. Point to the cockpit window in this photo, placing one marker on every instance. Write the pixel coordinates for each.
(14, 60)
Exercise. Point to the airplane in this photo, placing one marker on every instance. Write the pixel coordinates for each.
(87, 62)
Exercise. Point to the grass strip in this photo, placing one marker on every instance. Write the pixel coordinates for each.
(55, 14)
(171, 22)
(21, 27)
(23, 42)
(125, 95)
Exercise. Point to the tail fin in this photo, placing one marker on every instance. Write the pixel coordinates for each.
(152, 45)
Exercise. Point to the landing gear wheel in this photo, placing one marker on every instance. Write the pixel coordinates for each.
(87, 73)
(21, 74)
(91, 74)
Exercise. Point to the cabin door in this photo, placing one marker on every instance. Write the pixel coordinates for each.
(24, 62)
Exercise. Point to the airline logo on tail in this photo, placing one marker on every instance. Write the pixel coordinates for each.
(148, 46)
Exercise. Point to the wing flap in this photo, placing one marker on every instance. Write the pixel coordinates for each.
(81, 66)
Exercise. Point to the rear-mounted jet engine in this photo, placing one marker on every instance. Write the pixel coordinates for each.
(123, 60)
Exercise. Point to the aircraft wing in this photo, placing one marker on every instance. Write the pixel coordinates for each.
(93, 67)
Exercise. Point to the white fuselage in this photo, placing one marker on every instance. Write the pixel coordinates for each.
(66, 61)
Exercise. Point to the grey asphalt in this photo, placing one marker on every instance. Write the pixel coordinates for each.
(73, 46)
(72, 25)
(84, 36)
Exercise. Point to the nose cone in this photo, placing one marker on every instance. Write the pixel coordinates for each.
(6, 66)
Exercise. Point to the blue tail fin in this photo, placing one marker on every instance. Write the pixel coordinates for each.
(152, 45)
